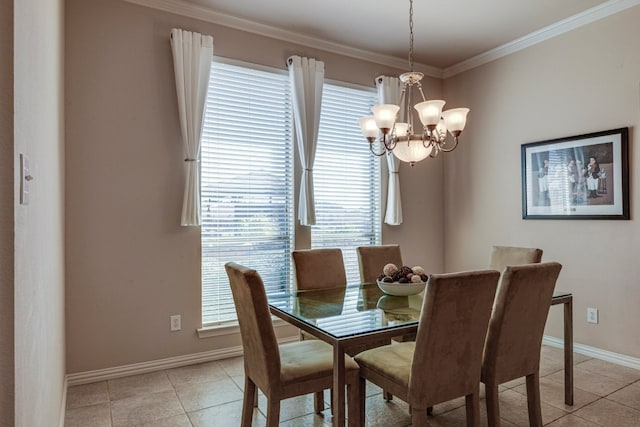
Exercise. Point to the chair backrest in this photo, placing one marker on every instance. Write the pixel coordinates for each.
(453, 324)
(319, 268)
(372, 260)
(512, 348)
(502, 256)
(261, 354)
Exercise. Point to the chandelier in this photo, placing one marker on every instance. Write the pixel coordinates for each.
(400, 138)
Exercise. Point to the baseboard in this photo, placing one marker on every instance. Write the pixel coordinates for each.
(207, 356)
(157, 365)
(63, 409)
(597, 353)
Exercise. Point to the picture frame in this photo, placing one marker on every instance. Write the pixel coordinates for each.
(577, 177)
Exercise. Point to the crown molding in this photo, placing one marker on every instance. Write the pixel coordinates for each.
(182, 8)
(596, 13)
(576, 21)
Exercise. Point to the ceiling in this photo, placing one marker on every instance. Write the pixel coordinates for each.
(446, 32)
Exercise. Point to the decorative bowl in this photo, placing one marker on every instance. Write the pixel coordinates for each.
(401, 289)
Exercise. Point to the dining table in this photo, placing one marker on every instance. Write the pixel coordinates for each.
(359, 314)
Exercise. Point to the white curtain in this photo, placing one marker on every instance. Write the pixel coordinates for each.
(389, 91)
(306, 76)
(192, 55)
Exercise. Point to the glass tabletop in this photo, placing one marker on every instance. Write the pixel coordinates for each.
(352, 310)
(348, 311)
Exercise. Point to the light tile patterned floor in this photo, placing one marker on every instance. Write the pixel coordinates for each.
(210, 394)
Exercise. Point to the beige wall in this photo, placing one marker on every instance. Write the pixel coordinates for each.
(581, 82)
(6, 215)
(129, 263)
(39, 227)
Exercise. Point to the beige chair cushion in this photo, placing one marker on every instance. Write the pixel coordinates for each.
(392, 361)
(307, 360)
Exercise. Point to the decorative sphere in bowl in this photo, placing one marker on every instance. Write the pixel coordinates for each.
(401, 289)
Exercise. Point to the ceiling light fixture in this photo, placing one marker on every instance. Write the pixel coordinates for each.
(399, 137)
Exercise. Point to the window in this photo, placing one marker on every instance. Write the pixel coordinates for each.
(247, 169)
(246, 182)
(346, 177)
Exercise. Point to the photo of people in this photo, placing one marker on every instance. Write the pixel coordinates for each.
(577, 177)
(573, 176)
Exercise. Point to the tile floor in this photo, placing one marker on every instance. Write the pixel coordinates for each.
(210, 394)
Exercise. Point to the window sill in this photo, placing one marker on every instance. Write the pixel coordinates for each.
(231, 328)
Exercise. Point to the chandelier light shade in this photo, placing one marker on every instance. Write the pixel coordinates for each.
(412, 150)
(400, 138)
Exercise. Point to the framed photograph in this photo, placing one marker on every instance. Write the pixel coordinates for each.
(578, 177)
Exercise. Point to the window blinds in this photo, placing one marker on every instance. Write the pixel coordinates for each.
(246, 183)
(346, 177)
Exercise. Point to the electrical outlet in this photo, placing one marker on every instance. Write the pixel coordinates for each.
(592, 315)
(175, 322)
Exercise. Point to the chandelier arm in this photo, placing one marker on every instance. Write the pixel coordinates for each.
(408, 113)
(419, 86)
(402, 102)
(434, 152)
(428, 144)
(455, 144)
(433, 141)
(393, 141)
(373, 151)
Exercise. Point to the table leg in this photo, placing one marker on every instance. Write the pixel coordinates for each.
(338, 386)
(568, 352)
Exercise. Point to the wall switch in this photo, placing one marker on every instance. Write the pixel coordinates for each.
(25, 177)
(592, 315)
(175, 322)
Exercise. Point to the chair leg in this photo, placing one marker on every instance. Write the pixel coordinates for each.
(493, 402)
(430, 410)
(273, 412)
(331, 399)
(472, 402)
(255, 399)
(318, 401)
(387, 396)
(249, 399)
(353, 402)
(418, 417)
(533, 400)
(362, 397)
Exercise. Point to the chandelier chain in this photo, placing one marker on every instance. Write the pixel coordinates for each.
(410, 35)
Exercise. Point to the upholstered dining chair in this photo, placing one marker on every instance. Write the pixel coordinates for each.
(372, 259)
(514, 338)
(502, 256)
(445, 360)
(319, 268)
(284, 371)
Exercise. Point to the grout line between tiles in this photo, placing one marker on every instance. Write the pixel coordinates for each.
(173, 387)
